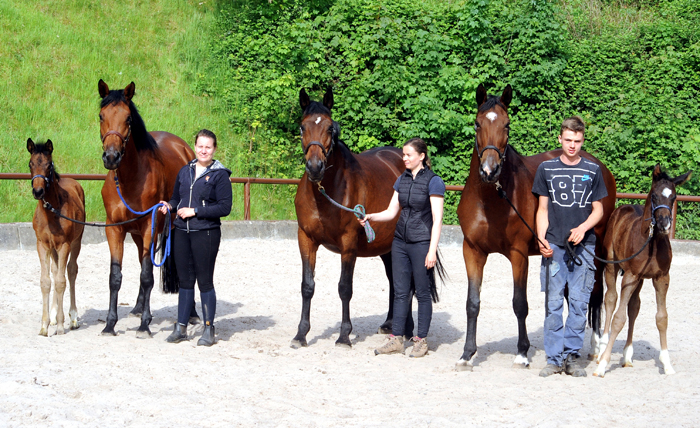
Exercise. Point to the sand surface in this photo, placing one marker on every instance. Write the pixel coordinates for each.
(252, 377)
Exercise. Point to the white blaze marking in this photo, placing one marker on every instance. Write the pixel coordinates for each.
(318, 119)
(491, 116)
(666, 192)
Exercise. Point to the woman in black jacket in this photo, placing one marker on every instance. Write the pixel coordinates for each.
(202, 195)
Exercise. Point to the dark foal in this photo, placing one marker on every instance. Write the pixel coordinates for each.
(628, 229)
(146, 165)
(57, 239)
(490, 225)
(349, 179)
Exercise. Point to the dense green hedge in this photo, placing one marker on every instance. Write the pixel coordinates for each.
(401, 69)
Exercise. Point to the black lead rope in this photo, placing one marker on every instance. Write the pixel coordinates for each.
(53, 210)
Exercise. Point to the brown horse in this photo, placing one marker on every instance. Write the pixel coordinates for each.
(628, 229)
(57, 239)
(146, 165)
(490, 225)
(349, 179)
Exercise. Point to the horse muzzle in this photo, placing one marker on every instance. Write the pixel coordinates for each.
(315, 169)
(111, 159)
(663, 225)
(489, 173)
(38, 193)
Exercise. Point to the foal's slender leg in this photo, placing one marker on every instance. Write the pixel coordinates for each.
(661, 286)
(632, 312)
(629, 284)
(347, 269)
(519, 264)
(45, 284)
(308, 249)
(60, 261)
(115, 239)
(610, 303)
(72, 274)
(474, 260)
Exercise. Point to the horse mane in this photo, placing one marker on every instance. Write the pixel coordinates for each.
(491, 102)
(142, 139)
(316, 107)
(663, 176)
(40, 148)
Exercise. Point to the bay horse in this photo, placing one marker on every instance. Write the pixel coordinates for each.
(628, 229)
(349, 179)
(490, 225)
(146, 165)
(57, 239)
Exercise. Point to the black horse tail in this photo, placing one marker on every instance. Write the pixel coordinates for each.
(441, 272)
(168, 272)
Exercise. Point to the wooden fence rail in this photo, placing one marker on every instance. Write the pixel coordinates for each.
(247, 181)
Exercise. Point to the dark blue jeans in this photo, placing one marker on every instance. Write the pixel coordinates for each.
(195, 255)
(409, 260)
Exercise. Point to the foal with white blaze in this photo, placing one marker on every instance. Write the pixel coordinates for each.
(628, 229)
(57, 239)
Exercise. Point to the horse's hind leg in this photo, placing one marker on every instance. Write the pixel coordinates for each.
(137, 311)
(661, 286)
(519, 264)
(385, 328)
(598, 346)
(347, 270)
(474, 260)
(45, 284)
(632, 312)
(308, 249)
(72, 270)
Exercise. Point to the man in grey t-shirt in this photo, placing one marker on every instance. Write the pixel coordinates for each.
(569, 189)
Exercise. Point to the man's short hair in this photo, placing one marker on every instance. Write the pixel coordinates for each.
(574, 123)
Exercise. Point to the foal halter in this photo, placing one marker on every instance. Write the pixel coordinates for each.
(46, 179)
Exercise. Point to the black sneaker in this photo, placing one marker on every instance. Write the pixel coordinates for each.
(572, 366)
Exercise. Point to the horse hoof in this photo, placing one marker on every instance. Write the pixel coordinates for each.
(296, 344)
(463, 366)
(143, 333)
(108, 332)
(60, 330)
(627, 365)
(384, 330)
(343, 345)
(74, 325)
(133, 314)
(195, 320)
(44, 332)
(520, 366)
(600, 375)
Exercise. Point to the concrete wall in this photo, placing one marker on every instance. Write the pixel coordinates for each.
(20, 236)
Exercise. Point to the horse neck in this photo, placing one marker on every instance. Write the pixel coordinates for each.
(340, 161)
(646, 217)
(132, 166)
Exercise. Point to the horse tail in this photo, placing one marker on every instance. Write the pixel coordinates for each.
(168, 272)
(441, 272)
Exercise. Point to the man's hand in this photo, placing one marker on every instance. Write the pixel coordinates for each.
(545, 250)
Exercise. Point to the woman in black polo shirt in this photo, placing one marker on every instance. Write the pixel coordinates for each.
(419, 196)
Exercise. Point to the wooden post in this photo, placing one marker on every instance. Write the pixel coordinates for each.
(673, 222)
(246, 201)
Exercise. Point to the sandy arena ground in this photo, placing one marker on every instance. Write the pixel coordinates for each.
(252, 377)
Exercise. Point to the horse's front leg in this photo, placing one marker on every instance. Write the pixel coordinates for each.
(45, 284)
(661, 286)
(60, 258)
(308, 249)
(519, 264)
(72, 270)
(474, 260)
(115, 239)
(347, 269)
(146, 284)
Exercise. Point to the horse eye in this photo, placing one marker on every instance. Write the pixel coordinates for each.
(301, 130)
(101, 117)
(128, 120)
(31, 164)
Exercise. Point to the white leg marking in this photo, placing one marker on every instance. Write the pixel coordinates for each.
(520, 360)
(666, 361)
(627, 356)
(600, 371)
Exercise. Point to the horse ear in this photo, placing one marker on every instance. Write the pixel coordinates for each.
(328, 98)
(336, 132)
(681, 179)
(49, 146)
(304, 100)
(129, 91)
(102, 88)
(657, 172)
(480, 95)
(30, 145)
(507, 95)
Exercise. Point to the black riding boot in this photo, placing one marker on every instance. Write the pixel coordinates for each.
(185, 303)
(208, 312)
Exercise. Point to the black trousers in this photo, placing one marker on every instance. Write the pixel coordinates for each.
(409, 260)
(195, 256)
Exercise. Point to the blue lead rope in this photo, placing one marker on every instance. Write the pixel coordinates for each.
(359, 212)
(154, 212)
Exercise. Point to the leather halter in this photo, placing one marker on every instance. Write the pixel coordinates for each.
(121, 137)
(46, 179)
(501, 155)
(323, 149)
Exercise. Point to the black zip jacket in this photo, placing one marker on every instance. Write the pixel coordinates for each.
(416, 219)
(209, 194)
